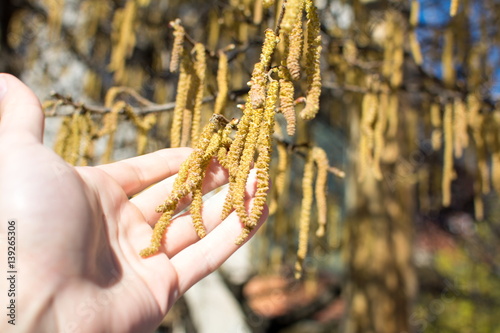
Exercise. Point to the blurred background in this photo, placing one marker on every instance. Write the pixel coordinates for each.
(412, 235)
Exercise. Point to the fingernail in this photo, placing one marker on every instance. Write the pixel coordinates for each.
(3, 86)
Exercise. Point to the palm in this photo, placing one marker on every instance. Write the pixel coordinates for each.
(79, 234)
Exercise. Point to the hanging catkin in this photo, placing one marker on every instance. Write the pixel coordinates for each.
(295, 43)
(62, 136)
(312, 62)
(287, 103)
(222, 83)
(183, 86)
(379, 133)
(305, 213)
(124, 38)
(322, 164)
(189, 180)
(293, 12)
(437, 133)
(110, 125)
(200, 67)
(461, 137)
(366, 142)
(448, 173)
(178, 47)
(263, 161)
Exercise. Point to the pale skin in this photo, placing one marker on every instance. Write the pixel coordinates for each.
(79, 233)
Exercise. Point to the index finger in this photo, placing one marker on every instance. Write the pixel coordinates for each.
(137, 173)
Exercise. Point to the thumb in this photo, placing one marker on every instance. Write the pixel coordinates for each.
(21, 114)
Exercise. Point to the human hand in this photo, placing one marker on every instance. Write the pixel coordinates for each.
(79, 234)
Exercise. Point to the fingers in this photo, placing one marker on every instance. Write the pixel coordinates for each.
(147, 201)
(206, 255)
(21, 115)
(181, 232)
(136, 174)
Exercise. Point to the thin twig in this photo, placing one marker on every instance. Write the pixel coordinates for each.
(141, 110)
(280, 18)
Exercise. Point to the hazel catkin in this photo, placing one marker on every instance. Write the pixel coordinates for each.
(305, 213)
(178, 47)
(287, 103)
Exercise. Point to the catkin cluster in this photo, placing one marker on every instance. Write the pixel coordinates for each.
(74, 141)
(254, 133)
(78, 132)
(189, 181)
(271, 89)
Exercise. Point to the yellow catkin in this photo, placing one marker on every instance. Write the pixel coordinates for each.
(147, 123)
(264, 157)
(222, 83)
(200, 67)
(233, 157)
(62, 136)
(178, 47)
(295, 43)
(393, 115)
(398, 58)
(461, 137)
(189, 180)
(214, 27)
(293, 12)
(437, 133)
(196, 213)
(482, 162)
(414, 12)
(92, 84)
(368, 116)
(379, 134)
(143, 123)
(88, 130)
(305, 214)
(55, 9)
(473, 107)
(366, 142)
(321, 159)
(72, 153)
(124, 38)
(110, 124)
(453, 7)
(267, 3)
(258, 80)
(187, 117)
(226, 142)
(495, 171)
(237, 188)
(287, 103)
(183, 86)
(242, 151)
(447, 176)
(258, 11)
(313, 56)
